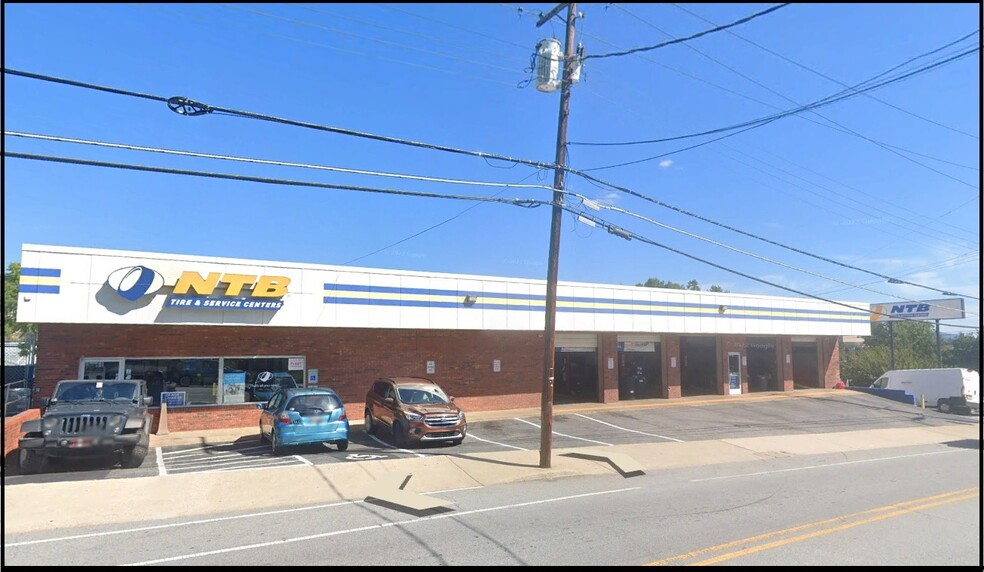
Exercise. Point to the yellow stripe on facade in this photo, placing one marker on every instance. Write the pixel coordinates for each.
(40, 280)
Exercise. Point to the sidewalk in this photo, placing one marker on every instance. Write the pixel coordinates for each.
(143, 500)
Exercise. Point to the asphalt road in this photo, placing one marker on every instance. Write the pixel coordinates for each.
(915, 505)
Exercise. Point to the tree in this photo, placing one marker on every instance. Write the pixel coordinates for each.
(691, 285)
(12, 329)
(964, 351)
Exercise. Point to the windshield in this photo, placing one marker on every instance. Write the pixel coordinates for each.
(96, 391)
(419, 396)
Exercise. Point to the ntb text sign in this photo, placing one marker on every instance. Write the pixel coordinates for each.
(947, 309)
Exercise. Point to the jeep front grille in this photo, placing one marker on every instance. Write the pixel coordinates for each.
(441, 420)
(81, 424)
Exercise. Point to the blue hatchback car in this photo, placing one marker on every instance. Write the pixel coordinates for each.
(298, 416)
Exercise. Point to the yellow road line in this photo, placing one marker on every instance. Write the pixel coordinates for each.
(925, 502)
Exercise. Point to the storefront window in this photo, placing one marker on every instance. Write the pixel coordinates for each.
(197, 381)
(197, 378)
(264, 376)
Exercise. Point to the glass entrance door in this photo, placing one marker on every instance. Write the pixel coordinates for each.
(101, 369)
(734, 373)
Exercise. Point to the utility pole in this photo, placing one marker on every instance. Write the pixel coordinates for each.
(550, 317)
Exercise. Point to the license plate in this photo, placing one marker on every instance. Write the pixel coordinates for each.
(317, 419)
(81, 442)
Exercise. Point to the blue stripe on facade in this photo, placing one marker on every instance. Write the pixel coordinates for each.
(661, 313)
(38, 289)
(49, 272)
(603, 302)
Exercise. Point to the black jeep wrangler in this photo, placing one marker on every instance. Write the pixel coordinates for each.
(89, 418)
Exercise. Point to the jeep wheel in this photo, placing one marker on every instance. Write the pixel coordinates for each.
(943, 405)
(31, 462)
(342, 445)
(134, 456)
(370, 423)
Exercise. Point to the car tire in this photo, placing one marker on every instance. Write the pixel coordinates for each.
(943, 405)
(370, 424)
(342, 445)
(400, 435)
(30, 462)
(134, 456)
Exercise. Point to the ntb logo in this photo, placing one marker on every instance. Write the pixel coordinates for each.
(135, 282)
(264, 292)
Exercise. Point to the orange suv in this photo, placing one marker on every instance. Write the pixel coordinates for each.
(415, 410)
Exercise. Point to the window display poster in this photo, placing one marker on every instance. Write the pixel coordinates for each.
(234, 387)
(295, 364)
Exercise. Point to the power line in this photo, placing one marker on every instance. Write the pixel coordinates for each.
(527, 203)
(274, 163)
(891, 279)
(758, 122)
(765, 121)
(839, 127)
(628, 235)
(825, 76)
(591, 204)
(688, 38)
(189, 107)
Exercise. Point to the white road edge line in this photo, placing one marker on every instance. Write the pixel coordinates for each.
(823, 466)
(375, 527)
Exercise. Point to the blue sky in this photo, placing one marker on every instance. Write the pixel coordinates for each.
(827, 183)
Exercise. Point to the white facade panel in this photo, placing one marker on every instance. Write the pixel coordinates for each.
(76, 285)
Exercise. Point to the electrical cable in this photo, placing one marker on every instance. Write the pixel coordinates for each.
(688, 38)
(815, 72)
(275, 163)
(527, 203)
(189, 107)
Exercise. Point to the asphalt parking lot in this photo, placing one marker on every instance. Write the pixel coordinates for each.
(634, 422)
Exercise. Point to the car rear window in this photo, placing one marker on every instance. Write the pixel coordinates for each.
(306, 402)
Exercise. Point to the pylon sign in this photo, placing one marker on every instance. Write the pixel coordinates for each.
(946, 309)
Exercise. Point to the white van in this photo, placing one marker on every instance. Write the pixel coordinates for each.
(949, 388)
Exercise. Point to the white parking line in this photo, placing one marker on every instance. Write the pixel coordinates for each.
(161, 469)
(303, 460)
(376, 527)
(629, 430)
(473, 436)
(183, 451)
(200, 458)
(255, 461)
(385, 444)
(563, 435)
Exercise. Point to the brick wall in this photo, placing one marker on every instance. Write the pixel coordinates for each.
(348, 360)
(12, 433)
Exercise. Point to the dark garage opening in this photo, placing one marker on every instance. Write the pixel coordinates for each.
(762, 366)
(575, 376)
(640, 373)
(698, 375)
(806, 368)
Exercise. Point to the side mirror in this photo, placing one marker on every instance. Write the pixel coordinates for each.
(148, 400)
(450, 398)
(389, 401)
